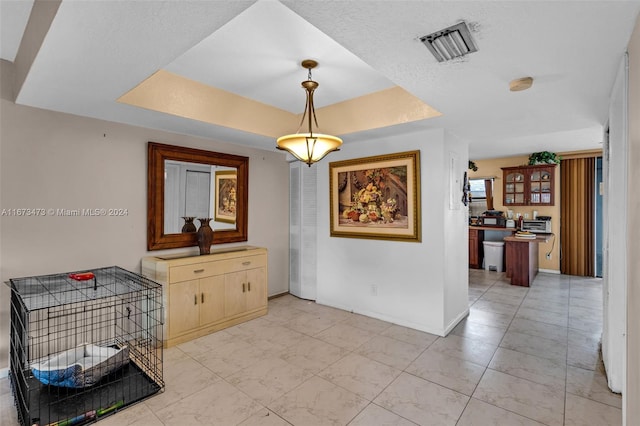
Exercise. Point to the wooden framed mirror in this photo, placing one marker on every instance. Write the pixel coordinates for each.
(176, 184)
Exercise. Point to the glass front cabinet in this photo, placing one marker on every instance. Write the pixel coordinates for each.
(528, 185)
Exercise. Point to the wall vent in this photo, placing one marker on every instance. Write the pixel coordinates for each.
(450, 43)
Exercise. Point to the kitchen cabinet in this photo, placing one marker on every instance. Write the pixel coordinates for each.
(528, 185)
(522, 258)
(206, 293)
(476, 250)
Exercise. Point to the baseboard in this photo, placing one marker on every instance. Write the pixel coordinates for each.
(455, 322)
(549, 271)
(275, 296)
(389, 319)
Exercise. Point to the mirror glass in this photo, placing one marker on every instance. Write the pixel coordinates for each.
(185, 184)
(191, 192)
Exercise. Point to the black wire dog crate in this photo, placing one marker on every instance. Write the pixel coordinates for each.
(84, 345)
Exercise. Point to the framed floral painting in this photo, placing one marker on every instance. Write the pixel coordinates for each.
(225, 188)
(376, 197)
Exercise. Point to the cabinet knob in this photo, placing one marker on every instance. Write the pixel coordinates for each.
(197, 271)
(243, 287)
(195, 299)
(201, 297)
(247, 263)
(249, 286)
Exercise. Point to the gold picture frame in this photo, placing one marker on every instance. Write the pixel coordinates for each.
(376, 197)
(226, 186)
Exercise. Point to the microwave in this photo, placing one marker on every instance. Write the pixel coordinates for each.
(537, 226)
(497, 221)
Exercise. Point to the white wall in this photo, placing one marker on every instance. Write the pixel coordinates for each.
(456, 238)
(615, 233)
(56, 160)
(631, 391)
(413, 288)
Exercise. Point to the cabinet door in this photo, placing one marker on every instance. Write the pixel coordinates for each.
(183, 307)
(541, 181)
(473, 248)
(256, 288)
(235, 293)
(514, 188)
(211, 299)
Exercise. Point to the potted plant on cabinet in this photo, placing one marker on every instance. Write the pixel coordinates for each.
(544, 157)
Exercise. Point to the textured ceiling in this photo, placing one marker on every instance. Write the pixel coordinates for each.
(95, 52)
(257, 55)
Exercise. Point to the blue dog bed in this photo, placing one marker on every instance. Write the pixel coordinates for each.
(81, 366)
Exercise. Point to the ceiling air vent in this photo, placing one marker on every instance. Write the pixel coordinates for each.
(450, 43)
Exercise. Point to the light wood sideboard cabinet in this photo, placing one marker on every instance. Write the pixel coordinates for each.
(203, 294)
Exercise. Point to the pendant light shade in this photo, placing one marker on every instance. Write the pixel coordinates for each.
(311, 146)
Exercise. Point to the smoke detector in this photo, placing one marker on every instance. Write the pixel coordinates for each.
(450, 43)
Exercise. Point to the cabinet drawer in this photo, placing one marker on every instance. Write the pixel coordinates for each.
(201, 270)
(242, 263)
(193, 272)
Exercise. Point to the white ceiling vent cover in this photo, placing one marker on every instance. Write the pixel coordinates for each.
(450, 43)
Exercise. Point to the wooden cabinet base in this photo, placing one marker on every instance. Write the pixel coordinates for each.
(522, 262)
(522, 259)
(194, 334)
(204, 294)
(476, 250)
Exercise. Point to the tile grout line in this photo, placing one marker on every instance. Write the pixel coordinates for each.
(485, 367)
(566, 373)
(488, 368)
(376, 334)
(494, 354)
(353, 351)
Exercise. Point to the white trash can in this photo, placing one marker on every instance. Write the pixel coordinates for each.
(493, 255)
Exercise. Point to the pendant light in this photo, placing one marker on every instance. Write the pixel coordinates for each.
(309, 147)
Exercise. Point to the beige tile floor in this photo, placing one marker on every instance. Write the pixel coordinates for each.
(522, 357)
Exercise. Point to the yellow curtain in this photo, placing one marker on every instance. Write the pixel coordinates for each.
(577, 189)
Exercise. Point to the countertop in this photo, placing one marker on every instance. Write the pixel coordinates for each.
(492, 228)
(540, 238)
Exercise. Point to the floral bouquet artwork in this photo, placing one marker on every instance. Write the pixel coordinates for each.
(376, 197)
(369, 205)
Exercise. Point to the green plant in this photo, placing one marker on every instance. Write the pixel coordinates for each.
(472, 166)
(544, 157)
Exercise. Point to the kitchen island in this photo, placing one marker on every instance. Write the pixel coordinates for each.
(522, 258)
